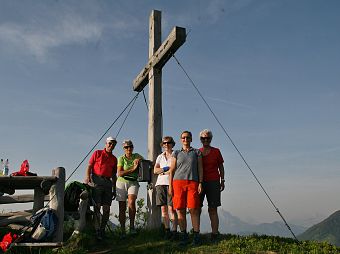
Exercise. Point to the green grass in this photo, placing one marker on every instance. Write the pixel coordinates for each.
(152, 242)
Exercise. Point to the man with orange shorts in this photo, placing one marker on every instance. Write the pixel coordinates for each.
(185, 186)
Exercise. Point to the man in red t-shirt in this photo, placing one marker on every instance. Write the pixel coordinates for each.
(213, 179)
(101, 173)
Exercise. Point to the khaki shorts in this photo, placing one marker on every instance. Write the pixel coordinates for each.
(162, 196)
(124, 189)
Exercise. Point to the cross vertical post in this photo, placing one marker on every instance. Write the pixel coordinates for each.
(159, 54)
(155, 114)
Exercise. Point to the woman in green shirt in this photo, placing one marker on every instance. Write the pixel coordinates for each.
(127, 186)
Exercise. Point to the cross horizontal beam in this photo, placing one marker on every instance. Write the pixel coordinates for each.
(175, 39)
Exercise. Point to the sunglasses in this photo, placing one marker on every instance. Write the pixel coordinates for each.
(205, 138)
(167, 142)
(111, 143)
(186, 137)
(127, 147)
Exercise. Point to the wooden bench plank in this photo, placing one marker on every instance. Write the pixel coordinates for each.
(25, 198)
(24, 182)
(58, 244)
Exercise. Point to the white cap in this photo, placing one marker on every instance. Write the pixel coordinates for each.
(111, 139)
(127, 142)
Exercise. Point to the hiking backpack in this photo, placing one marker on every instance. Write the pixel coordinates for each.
(72, 195)
(44, 224)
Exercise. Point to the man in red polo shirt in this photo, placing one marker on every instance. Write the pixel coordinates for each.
(101, 173)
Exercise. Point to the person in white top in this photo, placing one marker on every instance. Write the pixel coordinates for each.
(163, 199)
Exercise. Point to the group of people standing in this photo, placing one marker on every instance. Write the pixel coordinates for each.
(185, 177)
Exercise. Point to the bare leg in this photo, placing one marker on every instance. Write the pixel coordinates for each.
(182, 220)
(132, 209)
(195, 218)
(122, 215)
(214, 221)
(165, 216)
(173, 217)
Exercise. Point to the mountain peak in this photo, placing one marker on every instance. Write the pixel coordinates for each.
(327, 230)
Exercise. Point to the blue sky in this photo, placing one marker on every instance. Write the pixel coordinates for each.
(269, 70)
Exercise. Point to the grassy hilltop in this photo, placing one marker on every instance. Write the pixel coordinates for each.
(152, 242)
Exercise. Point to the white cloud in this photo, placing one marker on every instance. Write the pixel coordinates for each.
(38, 40)
(236, 104)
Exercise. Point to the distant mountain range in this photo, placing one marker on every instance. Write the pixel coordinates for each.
(234, 225)
(327, 230)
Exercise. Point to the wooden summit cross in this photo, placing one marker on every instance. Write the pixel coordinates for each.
(159, 54)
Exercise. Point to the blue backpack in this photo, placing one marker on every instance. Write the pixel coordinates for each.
(44, 224)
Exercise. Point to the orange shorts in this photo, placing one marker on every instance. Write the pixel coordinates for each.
(185, 194)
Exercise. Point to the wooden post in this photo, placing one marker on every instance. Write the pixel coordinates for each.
(159, 54)
(39, 198)
(57, 201)
(155, 115)
(84, 199)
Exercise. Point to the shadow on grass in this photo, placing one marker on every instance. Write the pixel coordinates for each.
(143, 242)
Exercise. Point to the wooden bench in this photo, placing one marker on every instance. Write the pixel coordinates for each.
(52, 185)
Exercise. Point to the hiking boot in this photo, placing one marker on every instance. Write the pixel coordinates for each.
(214, 237)
(102, 233)
(197, 239)
(183, 239)
(174, 236)
(122, 235)
(167, 234)
(132, 231)
(99, 235)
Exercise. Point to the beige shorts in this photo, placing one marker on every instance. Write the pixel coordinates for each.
(124, 189)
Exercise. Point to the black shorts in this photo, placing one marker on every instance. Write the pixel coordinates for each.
(162, 196)
(102, 190)
(212, 190)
